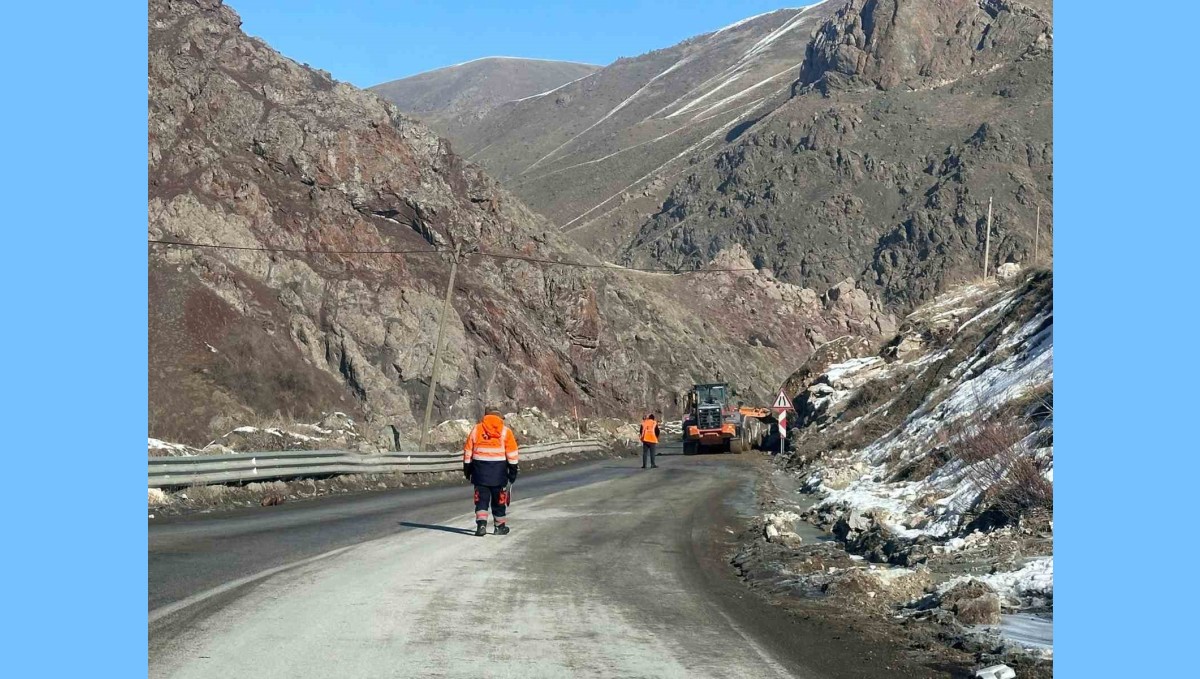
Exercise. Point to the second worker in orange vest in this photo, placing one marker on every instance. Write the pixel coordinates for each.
(490, 462)
(649, 440)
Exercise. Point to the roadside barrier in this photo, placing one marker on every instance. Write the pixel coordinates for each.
(170, 472)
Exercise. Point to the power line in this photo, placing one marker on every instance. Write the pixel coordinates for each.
(480, 253)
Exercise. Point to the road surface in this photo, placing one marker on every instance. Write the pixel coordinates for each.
(610, 571)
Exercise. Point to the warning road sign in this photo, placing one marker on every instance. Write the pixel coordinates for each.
(782, 403)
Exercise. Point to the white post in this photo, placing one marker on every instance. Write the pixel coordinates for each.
(987, 240)
(1037, 231)
(782, 429)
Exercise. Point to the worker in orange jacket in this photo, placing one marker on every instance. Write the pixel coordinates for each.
(649, 440)
(490, 462)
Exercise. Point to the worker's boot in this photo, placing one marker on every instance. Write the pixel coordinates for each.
(481, 528)
(501, 529)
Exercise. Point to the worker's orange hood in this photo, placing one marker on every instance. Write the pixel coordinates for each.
(492, 426)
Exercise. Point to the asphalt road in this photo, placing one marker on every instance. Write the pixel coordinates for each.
(610, 571)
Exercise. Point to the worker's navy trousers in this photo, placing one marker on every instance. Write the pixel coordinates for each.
(495, 497)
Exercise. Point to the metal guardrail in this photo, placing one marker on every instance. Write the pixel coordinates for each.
(167, 472)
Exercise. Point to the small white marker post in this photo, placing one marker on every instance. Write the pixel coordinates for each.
(781, 405)
(782, 430)
(987, 241)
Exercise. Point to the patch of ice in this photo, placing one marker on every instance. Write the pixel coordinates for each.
(1029, 630)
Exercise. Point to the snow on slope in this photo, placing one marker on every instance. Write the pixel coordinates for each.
(1010, 363)
(892, 442)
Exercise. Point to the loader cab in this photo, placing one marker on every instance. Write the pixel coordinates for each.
(712, 394)
(708, 404)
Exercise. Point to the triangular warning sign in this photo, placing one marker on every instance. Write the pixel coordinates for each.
(781, 402)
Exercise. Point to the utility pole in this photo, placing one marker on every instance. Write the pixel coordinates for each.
(1037, 231)
(987, 241)
(437, 349)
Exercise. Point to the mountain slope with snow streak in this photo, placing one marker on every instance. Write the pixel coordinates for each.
(851, 139)
(633, 126)
(448, 98)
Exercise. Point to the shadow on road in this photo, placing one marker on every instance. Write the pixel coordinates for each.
(447, 529)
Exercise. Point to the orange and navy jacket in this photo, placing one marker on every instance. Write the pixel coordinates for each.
(489, 449)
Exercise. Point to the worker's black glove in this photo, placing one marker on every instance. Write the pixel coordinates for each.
(467, 470)
(512, 472)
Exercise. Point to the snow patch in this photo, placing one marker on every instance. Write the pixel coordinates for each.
(552, 91)
(1034, 579)
(611, 113)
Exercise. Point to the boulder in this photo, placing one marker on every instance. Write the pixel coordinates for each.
(1008, 271)
(1000, 671)
(780, 528)
(973, 603)
(889, 586)
(851, 524)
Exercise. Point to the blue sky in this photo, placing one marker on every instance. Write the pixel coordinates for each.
(366, 43)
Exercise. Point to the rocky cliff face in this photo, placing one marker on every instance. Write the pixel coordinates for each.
(907, 117)
(887, 44)
(251, 150)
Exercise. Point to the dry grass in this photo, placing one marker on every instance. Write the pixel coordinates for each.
(998, 462)
(873, 393)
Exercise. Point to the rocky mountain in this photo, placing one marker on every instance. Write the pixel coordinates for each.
(907, 117)
(272, 160)
(856, 139)
(451, 98)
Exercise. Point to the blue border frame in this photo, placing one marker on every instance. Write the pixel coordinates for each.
(1125, 135)
(75, 339)
(74, 177)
